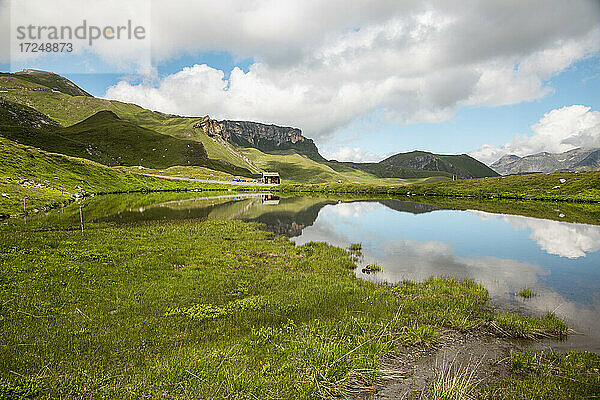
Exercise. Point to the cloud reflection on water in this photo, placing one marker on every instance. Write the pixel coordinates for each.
(404, 258)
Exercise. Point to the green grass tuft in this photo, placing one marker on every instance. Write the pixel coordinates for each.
(521, 326)
(539, 376)
(452, 382)
(526, 293)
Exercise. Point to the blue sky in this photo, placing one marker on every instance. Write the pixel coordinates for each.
(364, 81)
(471, 126)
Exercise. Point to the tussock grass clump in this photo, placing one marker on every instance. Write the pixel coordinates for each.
(201, 312)
(526, 293)
(372, 268)
(521, 326)
(453, 382)
(355, 251)
(355, 247)
(419, 335)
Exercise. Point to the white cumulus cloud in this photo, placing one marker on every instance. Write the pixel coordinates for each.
(355, 154)
(554, 237)
(559, 130)
(319, 66)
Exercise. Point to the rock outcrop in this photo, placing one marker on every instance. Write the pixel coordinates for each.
(264, 137)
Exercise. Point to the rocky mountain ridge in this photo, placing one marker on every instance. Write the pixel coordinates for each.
(265, 137)
(579, 159)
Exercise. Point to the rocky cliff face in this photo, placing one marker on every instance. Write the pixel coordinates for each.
(573, 160)
(260, 136)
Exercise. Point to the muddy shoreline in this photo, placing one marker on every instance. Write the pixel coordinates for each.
(479, 354)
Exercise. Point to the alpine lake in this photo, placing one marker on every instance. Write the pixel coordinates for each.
(550, 250)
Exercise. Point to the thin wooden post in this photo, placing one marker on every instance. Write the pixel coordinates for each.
(25, 205)
(81, 219)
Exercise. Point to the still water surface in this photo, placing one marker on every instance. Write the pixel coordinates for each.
(560, 261)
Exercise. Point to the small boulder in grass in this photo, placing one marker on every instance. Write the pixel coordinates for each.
(562, 180)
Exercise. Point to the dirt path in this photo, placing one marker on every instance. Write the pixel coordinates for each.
(178, 178)
(414, 370)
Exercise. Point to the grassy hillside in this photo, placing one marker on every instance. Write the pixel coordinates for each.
(420, 164)
(584, 186)
(115, 141)
(185, 172)
(107, 139)
(476, 169)
(68, 110)
(17, 115)
(47, 179)
(386, 171)
(461, 165)
(49, 80)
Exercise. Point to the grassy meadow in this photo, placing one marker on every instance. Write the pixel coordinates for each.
(215, 309)
(557, 186)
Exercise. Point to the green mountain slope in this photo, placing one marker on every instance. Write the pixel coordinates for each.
(114, 141)
(420, 164)
(68, 110)
(104, 138)
(48, 178)
(475, 168)
(231, 146)
(17, 115)
(107, 139)
(382, 171)
(298, 168)
(461, 165)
